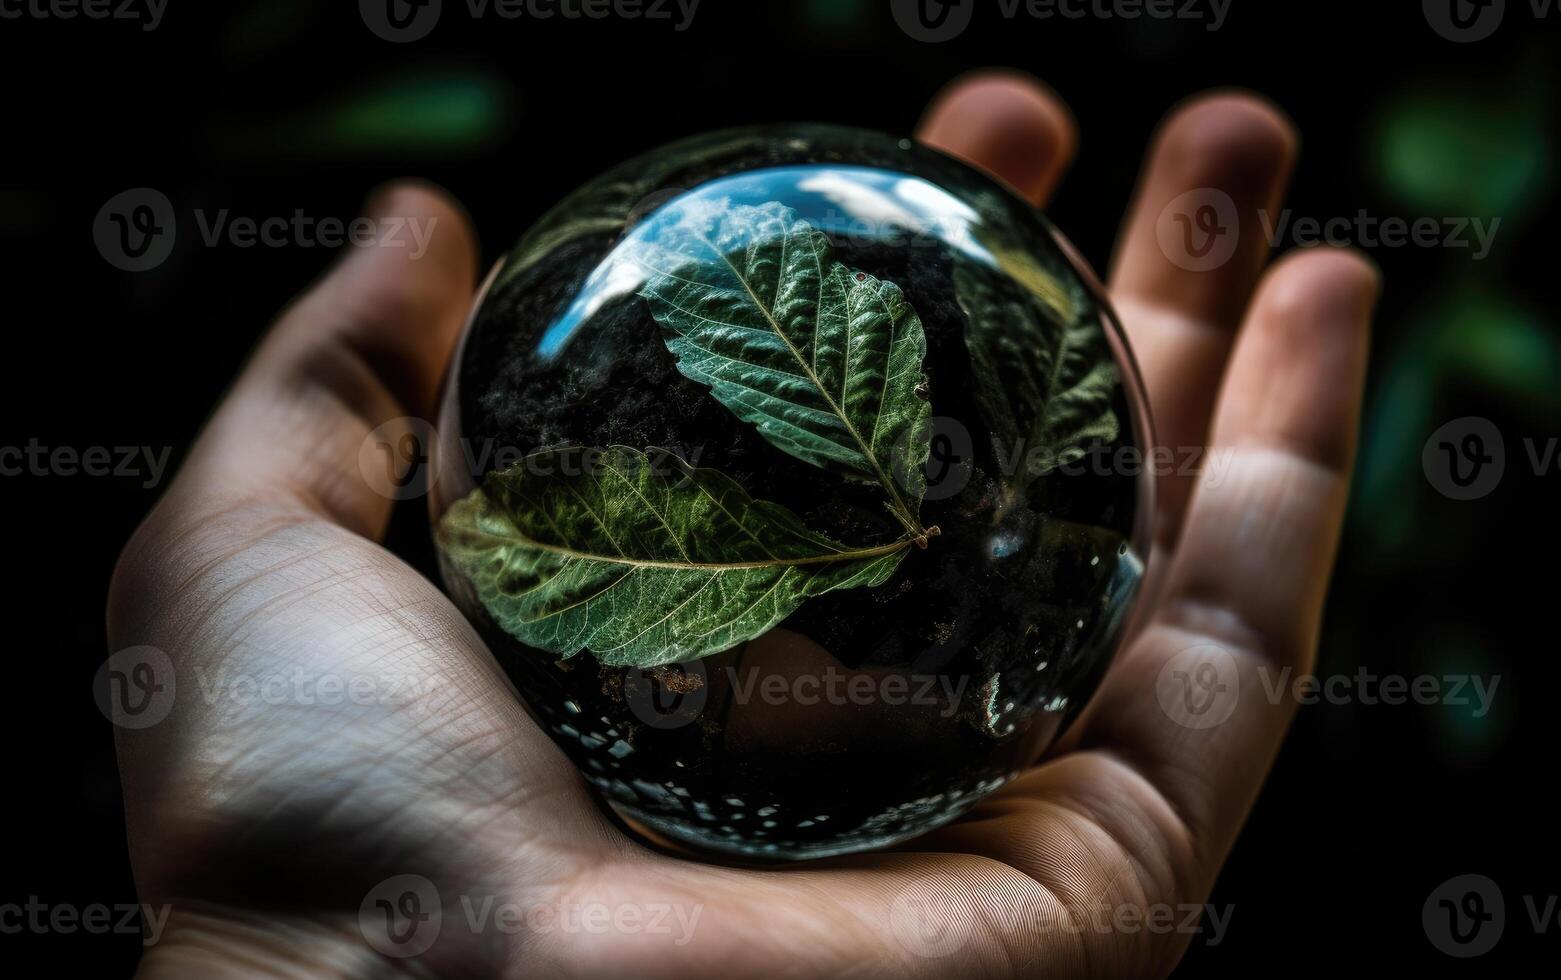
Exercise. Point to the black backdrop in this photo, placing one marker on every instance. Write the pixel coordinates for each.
(268, 108)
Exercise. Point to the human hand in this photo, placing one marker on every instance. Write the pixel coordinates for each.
(267, 825)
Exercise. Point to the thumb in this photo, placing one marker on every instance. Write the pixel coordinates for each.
(366, 345)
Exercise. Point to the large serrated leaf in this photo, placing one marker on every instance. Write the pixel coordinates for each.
(1045, 376)
(822, 359)
(641, 561)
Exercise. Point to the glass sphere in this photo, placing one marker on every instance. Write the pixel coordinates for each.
(794, 476)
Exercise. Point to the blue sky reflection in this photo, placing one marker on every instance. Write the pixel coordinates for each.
(851, 203)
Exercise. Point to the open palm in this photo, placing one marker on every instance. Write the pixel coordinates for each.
(267, 823)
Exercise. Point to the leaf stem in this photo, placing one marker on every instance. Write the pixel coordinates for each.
(856, 554)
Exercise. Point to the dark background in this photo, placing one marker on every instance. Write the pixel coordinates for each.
(265, 107)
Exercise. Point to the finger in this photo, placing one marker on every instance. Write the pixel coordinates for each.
(1193, 704)
(366, 345)
(1192, 248)
(1006, 123)
(1264, 523)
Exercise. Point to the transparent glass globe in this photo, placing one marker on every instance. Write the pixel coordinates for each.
(793, 476)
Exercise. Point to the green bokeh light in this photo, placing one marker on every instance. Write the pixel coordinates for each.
(835, 14)
(428, 113)
(419, 113)
(1473, 338)
(1453, 154)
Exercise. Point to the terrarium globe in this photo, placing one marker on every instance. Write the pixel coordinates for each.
(792, 475)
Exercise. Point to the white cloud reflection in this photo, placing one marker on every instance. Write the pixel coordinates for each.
(859, 203)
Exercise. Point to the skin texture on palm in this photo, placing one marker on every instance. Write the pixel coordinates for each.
(264, 824)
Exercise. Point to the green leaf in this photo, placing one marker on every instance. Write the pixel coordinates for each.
(822, 359)
(1045, 377)
(643, 561)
